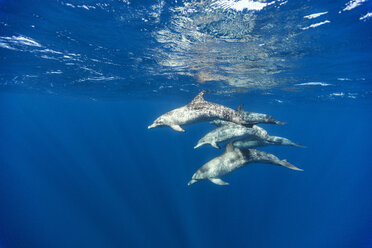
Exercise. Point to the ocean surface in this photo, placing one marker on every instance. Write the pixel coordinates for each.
(80, 82)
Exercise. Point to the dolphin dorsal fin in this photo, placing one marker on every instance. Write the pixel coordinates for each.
(229, 147)
(199, 98)
(240, 108)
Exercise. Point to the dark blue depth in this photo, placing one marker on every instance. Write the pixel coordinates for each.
(82, 173)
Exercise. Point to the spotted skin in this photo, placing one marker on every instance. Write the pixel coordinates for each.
(197, 111)
(232, 131)
(251, 141)
(233, 159)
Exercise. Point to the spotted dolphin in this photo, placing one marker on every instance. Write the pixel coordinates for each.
(233, 159)
(244, 142)
(196, 111)
(232, 131)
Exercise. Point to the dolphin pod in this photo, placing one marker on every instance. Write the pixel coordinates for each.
(238, 126)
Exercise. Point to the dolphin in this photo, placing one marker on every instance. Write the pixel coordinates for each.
(257, 118)
(233, 159)
(196, 111)
(250, 141)
(271, 140)
(232, 131)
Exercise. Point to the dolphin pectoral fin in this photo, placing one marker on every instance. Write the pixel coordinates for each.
(218, 181)
(177, 128)
(290, 166)
(214, 144)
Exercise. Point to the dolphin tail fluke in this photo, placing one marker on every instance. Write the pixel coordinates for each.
(218, 181)
(299, 145)
(280, 123)
(289, 165)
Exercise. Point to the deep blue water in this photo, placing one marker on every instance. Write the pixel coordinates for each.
(81, 81)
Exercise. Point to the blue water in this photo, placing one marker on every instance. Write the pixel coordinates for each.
(81, 81)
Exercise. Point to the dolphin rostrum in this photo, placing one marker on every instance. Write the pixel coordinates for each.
(198, 110)
(232, 159)
(232, 131)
